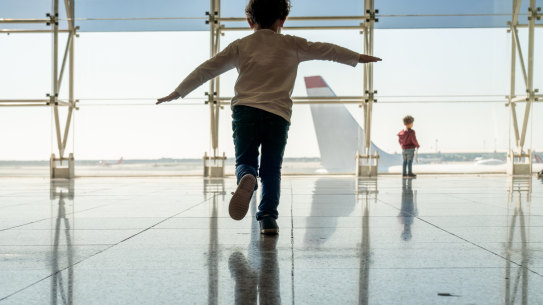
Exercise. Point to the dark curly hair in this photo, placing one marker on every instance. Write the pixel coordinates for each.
(266, 12)
(408, 120)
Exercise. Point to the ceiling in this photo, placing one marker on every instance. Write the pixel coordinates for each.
(189, 15)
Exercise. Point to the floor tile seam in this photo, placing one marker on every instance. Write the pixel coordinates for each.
(20, 204)
(490, 251)
(401, 268)
(324, 194)
(49, 246)
(468, 241)
(163, 220)
(295, 228)
(26, 224)
(44, 219)
(99, 252)
(476, 201)
(318, 216)
(299, 269)
(79, 245)
(384, 226)
(85, 229)
(45, 278)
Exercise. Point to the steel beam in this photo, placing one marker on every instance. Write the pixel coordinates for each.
(215, 168)
(519, 162)
(516, 11)
(515, 125)
(26, 20)
(294, 18)
(366, 163)
(337, 99)
(17, 31)
(527, 25)
(214, 47)
(69, 5)
(56, 80)
(294, 28)
(368, 74)
(512, 94)
(21, 105)
(514, 33)
(64, 59)
(23, 101)
(54, 75)
(70, 10)
(530, 83)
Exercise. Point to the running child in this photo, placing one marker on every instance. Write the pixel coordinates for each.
(267, 63)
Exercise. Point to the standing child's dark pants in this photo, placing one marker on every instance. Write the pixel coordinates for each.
(408, 155)
(254, 128)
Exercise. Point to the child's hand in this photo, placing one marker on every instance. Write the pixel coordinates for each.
(173, 96)
(366, 59)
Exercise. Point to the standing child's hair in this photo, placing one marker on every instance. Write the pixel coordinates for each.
(266, 12)
(408, 120)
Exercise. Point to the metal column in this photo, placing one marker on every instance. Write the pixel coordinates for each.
(214, 164)
(57, 170)
(53, 101)
(519, 159)
(366, 163)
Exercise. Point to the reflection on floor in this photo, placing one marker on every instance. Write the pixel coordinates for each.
(432, 240)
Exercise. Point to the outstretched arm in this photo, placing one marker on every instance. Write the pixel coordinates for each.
(172, 96)
(222, 62)
(367, 58)
(308, 50)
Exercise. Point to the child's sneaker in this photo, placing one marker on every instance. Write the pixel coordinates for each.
(268, 225)
(412, 176)
(239, 204)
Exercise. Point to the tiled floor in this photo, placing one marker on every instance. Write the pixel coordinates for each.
(433, 240)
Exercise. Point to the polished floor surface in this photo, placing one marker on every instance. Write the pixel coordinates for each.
(431, 240)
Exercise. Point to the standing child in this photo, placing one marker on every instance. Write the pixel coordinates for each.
(267, 63)
(408, 141)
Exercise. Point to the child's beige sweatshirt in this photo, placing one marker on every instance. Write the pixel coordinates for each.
(267, 63)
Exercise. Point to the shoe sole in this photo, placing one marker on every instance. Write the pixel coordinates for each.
(269, 231)
(239, 204)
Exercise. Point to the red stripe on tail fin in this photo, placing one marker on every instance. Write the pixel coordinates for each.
(314, 82)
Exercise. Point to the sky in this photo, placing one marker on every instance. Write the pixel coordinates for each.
(118, 76)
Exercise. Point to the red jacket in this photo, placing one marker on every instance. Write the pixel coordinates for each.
(408, 139)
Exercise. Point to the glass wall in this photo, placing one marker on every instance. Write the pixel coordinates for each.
(453, 82)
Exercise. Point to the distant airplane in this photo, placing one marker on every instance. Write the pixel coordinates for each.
(338, 134)
(105, 163)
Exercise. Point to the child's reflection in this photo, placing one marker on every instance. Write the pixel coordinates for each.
(262, 278)
(257, 278)
(408, 210)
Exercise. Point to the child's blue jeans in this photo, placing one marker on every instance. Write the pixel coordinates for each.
(408, 155)
(254, 128)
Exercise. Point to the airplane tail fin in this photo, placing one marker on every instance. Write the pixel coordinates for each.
(338, 133)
